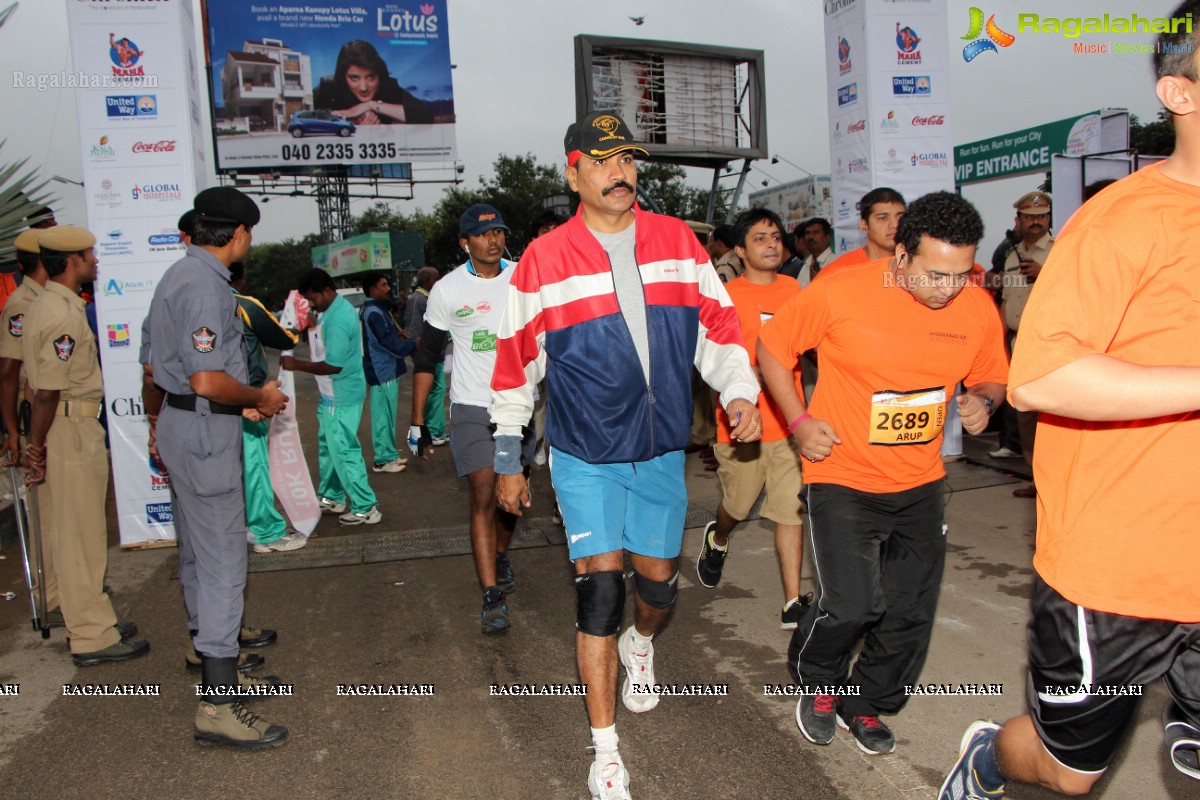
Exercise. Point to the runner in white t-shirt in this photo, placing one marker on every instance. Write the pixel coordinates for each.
(466, 306)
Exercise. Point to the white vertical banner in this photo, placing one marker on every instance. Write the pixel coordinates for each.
(139, 106)
(895, 57)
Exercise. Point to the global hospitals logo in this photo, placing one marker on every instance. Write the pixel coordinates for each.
(995, 36)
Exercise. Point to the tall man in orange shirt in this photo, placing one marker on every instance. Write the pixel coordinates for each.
(896, 336)
(1107, 354)
(747, 468)
(880, 210)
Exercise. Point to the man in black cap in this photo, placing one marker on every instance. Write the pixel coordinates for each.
(199, 362)
(614, 308)
(466, 306)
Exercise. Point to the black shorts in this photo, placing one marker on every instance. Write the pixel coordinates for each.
(1087, 669)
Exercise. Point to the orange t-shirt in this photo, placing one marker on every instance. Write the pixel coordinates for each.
(1117, 501)
(885, 361)
(849, 259)
(755, 304)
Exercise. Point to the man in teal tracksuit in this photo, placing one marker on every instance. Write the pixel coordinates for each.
(339, 455)
(383, 363)
(260, 329)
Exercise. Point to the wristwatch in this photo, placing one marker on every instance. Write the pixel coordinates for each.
(989, 403)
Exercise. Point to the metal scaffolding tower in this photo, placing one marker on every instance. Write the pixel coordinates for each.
(333, 202)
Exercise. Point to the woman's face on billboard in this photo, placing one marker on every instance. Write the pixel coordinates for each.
(362, 82)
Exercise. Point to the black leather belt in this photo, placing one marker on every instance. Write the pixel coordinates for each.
(187, 402)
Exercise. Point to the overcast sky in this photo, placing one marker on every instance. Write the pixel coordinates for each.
(514, 85)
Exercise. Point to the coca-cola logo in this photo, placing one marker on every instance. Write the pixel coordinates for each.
(856, 127)
(162, 146)
(933, 119)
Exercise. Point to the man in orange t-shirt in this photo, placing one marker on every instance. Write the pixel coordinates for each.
(1107, 354)
(747, 468)
(896, 336)
(881, 210)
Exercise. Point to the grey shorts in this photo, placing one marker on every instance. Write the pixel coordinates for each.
(471, 439)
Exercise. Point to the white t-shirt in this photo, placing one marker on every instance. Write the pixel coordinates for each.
(469, 308)
(316, 351)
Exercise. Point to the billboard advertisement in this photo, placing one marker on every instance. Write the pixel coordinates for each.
(305, 85)
(371, 251)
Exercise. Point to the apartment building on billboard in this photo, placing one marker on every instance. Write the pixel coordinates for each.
(262, 85)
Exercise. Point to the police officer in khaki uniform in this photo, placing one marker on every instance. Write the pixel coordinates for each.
(1021, 268)
(198, 357)
(66, 446)
(12, 329)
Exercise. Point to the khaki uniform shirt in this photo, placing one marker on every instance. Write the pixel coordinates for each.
(728, 266)
(59, 349)
(1016, 286)
(12, 324)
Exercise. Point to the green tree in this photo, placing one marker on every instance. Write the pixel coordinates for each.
(23, 201)
(1152, 138)
(274, 269)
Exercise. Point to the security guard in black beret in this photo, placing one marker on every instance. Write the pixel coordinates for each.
(66, 449)
(199, 361)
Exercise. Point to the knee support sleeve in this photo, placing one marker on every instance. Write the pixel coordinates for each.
(658, 594)
(600, 600)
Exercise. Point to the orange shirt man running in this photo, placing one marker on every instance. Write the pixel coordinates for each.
(1107, 354)
(896, 337)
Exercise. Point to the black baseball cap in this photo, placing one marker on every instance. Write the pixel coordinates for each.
(479, 219)
(226, 204)
(599, 135)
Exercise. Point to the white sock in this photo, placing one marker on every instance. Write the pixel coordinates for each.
(714, 545)
(605, 741)
(637, 639)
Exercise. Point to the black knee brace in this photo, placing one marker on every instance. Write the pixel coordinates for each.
(659, 594)
(600, 599)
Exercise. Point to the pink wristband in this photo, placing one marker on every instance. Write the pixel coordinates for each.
(798, 420)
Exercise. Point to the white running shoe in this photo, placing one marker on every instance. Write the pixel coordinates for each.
(365, 518)
(639, 673)
(395, 465)
(608, 779)
(292, 541)
(328, 506)
(438, 441)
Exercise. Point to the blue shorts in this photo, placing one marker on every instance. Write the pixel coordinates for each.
(639, 507)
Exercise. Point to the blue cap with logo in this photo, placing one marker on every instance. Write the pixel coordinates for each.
(479, 219)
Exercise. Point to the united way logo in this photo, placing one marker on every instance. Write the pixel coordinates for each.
(159, 514)
(995, 36)
(907, 46)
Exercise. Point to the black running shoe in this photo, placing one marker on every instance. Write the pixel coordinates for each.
(711, 561)
(815, 714)
(873, 737)
(794, 611)
(506, 581)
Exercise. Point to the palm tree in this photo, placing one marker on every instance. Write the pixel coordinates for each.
(23, 201)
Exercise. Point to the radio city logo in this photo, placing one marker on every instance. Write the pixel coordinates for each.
(907, 41)
(102, 150)
(157, 191)
(843, 53)
(118, 335)
(161, 146)
(402, 22)
(124, 54)
(164, 240)
(995, 36)
(131, 105)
